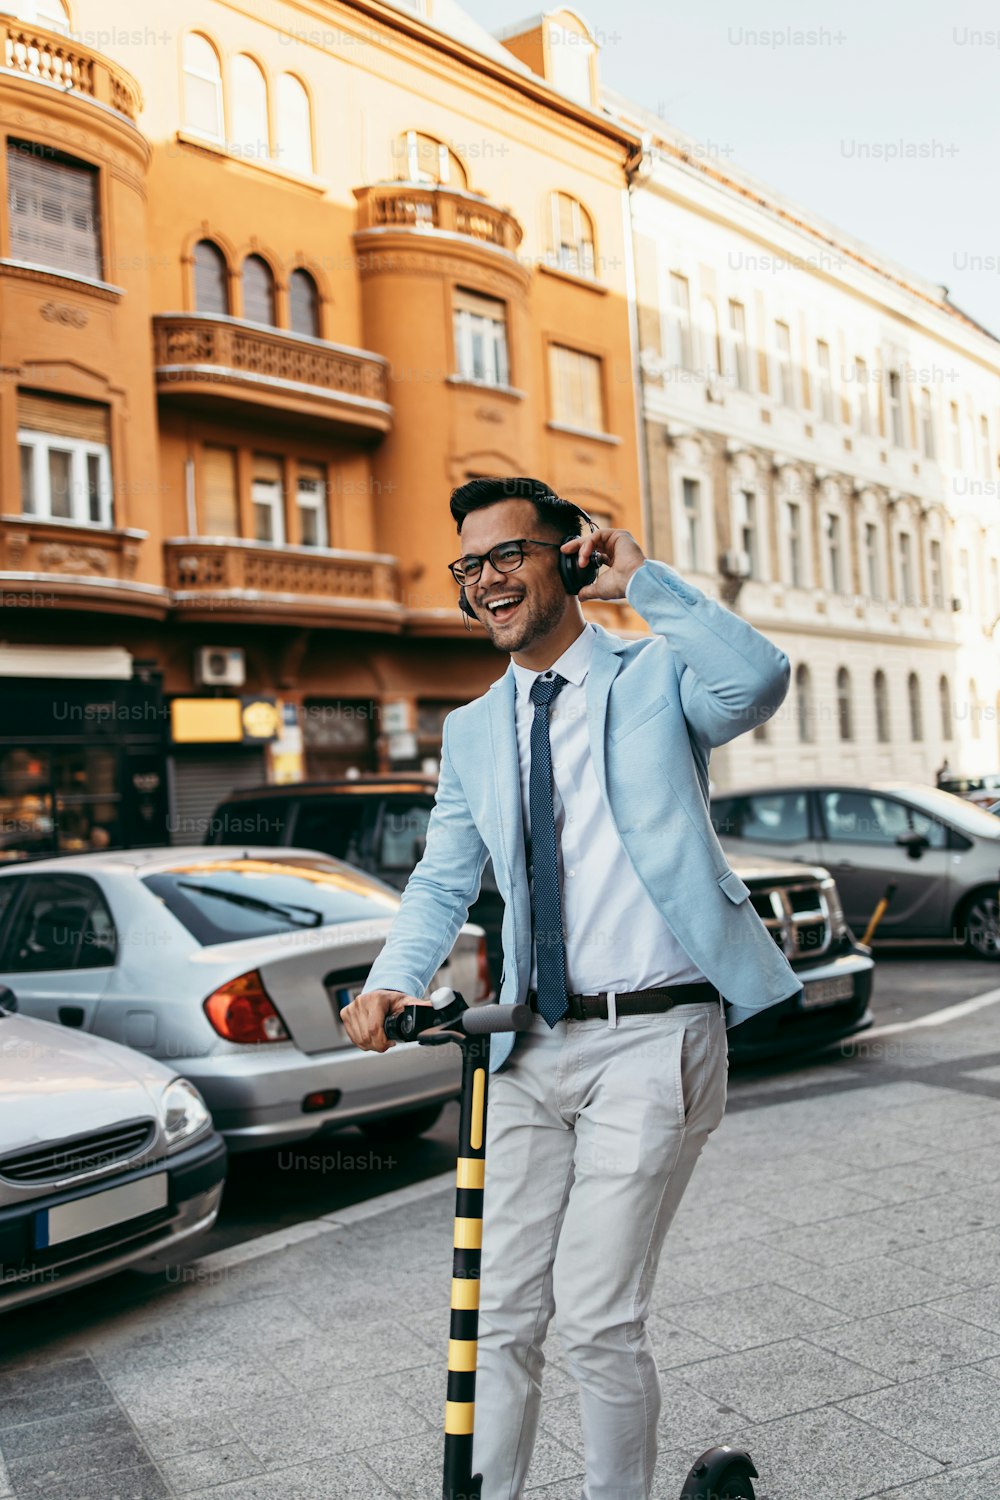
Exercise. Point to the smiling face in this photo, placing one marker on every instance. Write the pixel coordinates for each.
(544, 616)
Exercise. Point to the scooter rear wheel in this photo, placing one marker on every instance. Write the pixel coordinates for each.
(720, 1475)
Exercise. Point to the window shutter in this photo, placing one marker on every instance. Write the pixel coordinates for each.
(85, 420)
(54, 210)
(218, 507)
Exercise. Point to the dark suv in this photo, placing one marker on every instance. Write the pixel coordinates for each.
(377, 823)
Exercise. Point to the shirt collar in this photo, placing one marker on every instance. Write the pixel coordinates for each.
(574, 664)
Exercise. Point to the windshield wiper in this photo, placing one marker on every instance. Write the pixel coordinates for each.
(286, 910)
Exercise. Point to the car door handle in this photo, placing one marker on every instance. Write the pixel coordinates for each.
(71, 1015)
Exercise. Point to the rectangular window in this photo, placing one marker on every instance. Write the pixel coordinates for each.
(965, 580)
(218, 496)
(480, 338)
(936, 575)
(691, 501)
(896, 409)
(994, 589)
(783, 349)
(927, 445)
(956, 434)
(862, 407)
(311, 499)
(65, 460)
(906, 589)
(54, 210)
(825, 380)
(872, 561)
(985, 455)
(739, 362)
(576, 382)
(267, 495)
(793, 514)
(746, 530)
(679, 342)
(833, 553)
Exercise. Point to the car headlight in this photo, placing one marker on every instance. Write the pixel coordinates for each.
(837, 924)
(183, 1112)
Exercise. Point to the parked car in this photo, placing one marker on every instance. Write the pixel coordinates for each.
(377, 823)
(234, 964)
(108, 1160)
(942, 853)
(982, 790)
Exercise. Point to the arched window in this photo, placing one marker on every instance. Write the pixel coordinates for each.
(572, 235)
(882, 730)
(422, 158)
(916, 708)
(52, 14)
(248, 110)
(295, 149)
(845, 710)
(258, 290)
(974, 714)
(944, 699)
(202, 87)
(303, 303)
(211, 278)
(803, 702)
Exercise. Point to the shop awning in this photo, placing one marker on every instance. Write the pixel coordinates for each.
(106, 663)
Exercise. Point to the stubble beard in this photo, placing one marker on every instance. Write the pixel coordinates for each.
(539, 617)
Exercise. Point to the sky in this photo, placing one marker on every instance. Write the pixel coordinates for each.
(881, 117)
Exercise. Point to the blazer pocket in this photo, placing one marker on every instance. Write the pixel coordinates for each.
(646, 712)
(734, 887)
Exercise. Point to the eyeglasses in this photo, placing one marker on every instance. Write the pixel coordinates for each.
(505, 557)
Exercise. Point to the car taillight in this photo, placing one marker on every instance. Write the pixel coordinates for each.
(484, 986)
(241, 1011)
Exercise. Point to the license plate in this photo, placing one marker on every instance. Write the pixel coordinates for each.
(827, 991)
(343, 994)
(68, 1221)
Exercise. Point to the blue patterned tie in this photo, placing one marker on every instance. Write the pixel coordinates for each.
(546, 907)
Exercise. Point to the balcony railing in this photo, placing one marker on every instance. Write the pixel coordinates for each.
(54, 59)
(216, 573)
(239, 363)
(424, 206)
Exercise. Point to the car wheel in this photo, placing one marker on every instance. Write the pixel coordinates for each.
(413, 1122)
(979, 924)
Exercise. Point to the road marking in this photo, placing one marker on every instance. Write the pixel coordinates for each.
(936, 1018)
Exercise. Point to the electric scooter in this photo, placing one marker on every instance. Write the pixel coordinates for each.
(721, 1473)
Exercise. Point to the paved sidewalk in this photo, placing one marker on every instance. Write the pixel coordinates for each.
(830, 1297)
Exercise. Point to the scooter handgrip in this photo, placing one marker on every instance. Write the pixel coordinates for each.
(483, 1020)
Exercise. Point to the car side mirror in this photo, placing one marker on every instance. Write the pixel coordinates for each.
(8, 1000)
(914, 843)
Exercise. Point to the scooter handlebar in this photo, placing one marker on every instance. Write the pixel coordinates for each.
(477, 1020)
(484, 1020)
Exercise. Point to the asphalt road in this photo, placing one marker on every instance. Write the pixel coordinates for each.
(269, 1190)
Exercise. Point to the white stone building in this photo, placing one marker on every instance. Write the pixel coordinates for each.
(821, 431)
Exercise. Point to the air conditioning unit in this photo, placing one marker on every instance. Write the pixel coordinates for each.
(220, 666)
(736, 563)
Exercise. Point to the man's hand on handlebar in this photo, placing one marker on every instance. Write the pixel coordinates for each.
(364, 1018)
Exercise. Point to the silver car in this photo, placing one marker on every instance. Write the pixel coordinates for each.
(107, 1160)
(941, 852)
(233, 964)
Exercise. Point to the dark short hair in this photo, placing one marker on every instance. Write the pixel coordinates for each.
(561, 516)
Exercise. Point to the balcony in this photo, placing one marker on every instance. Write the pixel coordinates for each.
(59, 564)
(222, 577)
(42, 56)
(433, 210)
(233, 367)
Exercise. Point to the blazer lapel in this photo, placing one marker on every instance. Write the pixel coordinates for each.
(507, 777)
(603, 671)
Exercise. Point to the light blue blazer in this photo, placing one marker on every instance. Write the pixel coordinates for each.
(656, 708)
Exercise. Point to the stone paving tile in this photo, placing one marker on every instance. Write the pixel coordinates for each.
(414, 1468)
(378, 1349)
(891, 1230)
(172, 1439)
(344, 1478)
(979, 1164)
(47, 1376)
(46, 1472)
(981, 1307)
(709, 1218)
(866, 1287)
(341, 1421)
(923, 1178)
(6, 1488)
(815, 1202)
(774, 1380)
(675, 1345)
(914, 1341)
(754, 1315)
(185, 1390)
(951, 1417)
(127, 1484)
(53, 1401)
(972, 1258)
(564, 1489)
(969, 1482)
(727, 1266)
(52, 1433)
(195, 1471)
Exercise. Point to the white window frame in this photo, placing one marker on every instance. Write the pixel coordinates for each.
(738, 346)
(862, 405)
(784, 363)
(563, 413)
(579, 258)
(985, 448)
(955, 424)
(897, 416)
(833, 549)
(873, 581)
(41, 444)
(928, 437)
(493, 331)
(935, 573)
(824, 382)
(315, 503)
(693, 522)
(747, 518)
(907, 580)
(275, 502)
(214, 78)
(679, 341)
(795, 539)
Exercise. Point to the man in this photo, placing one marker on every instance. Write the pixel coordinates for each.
(622, 928)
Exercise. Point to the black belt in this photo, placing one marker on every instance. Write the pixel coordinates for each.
(636, 1002)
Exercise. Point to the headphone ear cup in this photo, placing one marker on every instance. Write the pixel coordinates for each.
(573, 576)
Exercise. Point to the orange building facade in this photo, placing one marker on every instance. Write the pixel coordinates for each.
(270, 286)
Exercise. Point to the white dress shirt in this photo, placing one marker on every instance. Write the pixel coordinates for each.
(616, 937)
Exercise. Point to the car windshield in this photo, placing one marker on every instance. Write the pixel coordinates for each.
(955, 810)
(225, 900)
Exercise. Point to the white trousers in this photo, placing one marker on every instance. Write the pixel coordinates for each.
(592, 1135)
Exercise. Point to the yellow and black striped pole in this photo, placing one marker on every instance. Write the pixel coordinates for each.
(459, 1481)
(879, 912)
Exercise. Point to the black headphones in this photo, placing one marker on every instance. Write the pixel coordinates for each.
(574, 576)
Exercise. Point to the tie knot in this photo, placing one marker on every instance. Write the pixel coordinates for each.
(544, 689)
